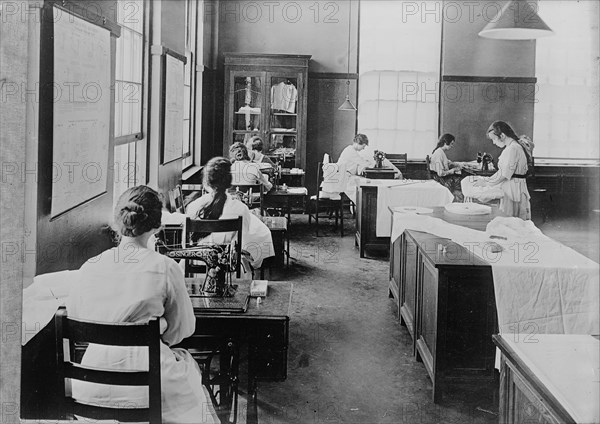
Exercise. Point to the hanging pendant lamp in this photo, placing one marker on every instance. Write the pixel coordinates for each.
(516, 21)
(347, 105)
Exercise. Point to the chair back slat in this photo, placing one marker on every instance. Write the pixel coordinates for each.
(319, 176)
(176, 201)
(111, 334)
(123, 334)
(428, 165)
(251, 190)
(399, 160)
(106, 376)
(125, 414)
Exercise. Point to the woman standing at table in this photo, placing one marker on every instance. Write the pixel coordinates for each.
(131, 283)
(216, 204)
(243, 170)
(512, 170)
(444, 171)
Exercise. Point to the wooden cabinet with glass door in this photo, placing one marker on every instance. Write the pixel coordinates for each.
(265, 96)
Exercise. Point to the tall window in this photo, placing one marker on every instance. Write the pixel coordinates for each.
(130, 148)
(399, 79)
(189, 111)
(566, 113)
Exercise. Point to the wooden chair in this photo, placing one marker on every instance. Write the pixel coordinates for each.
(428, 170)
(318, 204)
(538, 192)
(218, 359)
(251, 195)
(80, 333)
(193, 227)
(399, 160)
(176, 202)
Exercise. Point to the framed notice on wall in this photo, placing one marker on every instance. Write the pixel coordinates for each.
(173, 104)
(81, 112)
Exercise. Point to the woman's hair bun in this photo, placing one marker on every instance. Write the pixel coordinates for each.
(133, 214)
(138, 210)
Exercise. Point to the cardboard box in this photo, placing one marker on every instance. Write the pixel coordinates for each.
(259, 288)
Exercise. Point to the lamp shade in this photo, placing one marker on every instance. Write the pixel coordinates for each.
(347, 105)
(516, 21)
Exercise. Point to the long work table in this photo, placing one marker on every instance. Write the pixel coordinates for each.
(374, 198)
(452, 301)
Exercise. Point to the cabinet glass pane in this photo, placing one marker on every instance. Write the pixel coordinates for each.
(281, 145)
(247, 103)
(283, 118)
(284, 95)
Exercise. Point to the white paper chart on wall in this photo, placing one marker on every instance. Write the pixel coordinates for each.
(81, 115)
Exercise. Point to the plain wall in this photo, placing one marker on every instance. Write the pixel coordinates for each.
(490, 80)
(465, 53)
(317, 28)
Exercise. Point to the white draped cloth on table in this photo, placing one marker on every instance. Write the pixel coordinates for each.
(391, 193)
(483, 194)
(541, 286)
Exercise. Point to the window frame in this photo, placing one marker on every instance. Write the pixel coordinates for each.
(124, 176)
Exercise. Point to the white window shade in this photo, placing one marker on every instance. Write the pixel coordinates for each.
(399, 78)
(566, 114)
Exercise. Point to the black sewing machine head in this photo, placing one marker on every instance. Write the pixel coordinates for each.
(485, 159)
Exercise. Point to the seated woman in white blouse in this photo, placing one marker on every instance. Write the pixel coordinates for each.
(243, 170)
(132, 283)
(216, 204)
(358, 156)
(444, 171)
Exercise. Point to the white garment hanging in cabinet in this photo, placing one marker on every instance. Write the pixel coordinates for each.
(283, 97)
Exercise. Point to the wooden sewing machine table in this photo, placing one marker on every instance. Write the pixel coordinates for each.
(263, 329)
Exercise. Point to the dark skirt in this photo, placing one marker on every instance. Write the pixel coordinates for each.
(452, 183)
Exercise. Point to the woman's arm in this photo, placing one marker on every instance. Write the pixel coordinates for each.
(352, 161)
(194, 207)
(262, 178)
(266, 159)
(388, 164)
(437, 165)
(179, 312)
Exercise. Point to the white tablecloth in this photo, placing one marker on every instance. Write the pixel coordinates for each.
(483, 194)
(541, 286)
(567, 365)
(424, 193)
(42, 298)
